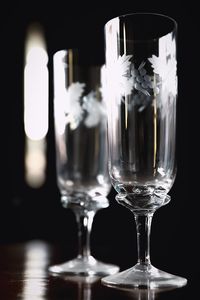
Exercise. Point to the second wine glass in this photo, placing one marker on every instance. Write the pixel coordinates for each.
(81, 153)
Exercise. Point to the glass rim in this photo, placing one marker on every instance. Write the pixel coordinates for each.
(132, 14)
(62, 53)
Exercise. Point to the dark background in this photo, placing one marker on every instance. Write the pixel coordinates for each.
(27, 213)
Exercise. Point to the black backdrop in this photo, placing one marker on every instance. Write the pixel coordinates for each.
(27, 213)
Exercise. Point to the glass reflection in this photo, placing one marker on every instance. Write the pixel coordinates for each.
(142, 293)
(84, 285)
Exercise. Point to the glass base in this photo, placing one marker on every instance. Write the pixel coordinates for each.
(143, 276)
(84, 266)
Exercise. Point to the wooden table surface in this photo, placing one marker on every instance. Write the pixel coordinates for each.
(24, 275)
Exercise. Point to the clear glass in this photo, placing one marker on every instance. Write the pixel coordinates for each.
(141, 70)
(81, 153)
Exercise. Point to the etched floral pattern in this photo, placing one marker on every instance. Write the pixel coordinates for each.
(87, 109)
(141, 85)
(73, 108)
(165, 66)
(95, 110)
(128, 78)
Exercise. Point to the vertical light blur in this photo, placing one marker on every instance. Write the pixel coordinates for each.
(36, 261)
(36, 109)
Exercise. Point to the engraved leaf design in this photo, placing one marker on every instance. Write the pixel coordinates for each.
(85, 109)
(165, 64)
(121, 74)
(95, 110)
(167, 72)
(159, 67)
(73, 109)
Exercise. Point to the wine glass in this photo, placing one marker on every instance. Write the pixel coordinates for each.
(141, 75)
(81, 153)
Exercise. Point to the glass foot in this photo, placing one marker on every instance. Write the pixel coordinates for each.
(143, 276)
(88, 266)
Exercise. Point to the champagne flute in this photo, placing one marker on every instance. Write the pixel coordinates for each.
(141, 70)
(81, 153)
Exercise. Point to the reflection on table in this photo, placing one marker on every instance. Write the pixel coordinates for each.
(24, 275)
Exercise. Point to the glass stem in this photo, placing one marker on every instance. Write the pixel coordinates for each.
(84, 221)
(143, 228)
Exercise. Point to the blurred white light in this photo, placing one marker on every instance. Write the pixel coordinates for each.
(37, 55)
(35, 162)
(36, 90)
(36, 105)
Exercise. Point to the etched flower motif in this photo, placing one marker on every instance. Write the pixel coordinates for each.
(127, 79)
(73, 109)
(121, 75)
(95, 110)
(165, 64)
(167, 72)
(79, 108)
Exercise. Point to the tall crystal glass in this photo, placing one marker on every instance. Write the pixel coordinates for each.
(80, 121)
(141, 69)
